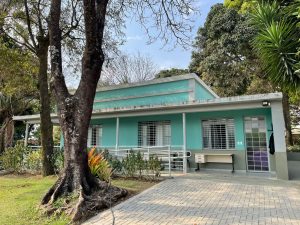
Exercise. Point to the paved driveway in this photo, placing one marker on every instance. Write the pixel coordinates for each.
(210, 199)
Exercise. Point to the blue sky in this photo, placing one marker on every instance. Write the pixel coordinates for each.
(163, 58)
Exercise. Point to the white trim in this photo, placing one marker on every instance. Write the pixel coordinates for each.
(228, 103)
(143, 96)
(117, 132)
(26, 135)
(192, 86)
(184, 143)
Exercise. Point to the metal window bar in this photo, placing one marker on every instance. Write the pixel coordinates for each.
(95, 135)
(218, 134)
(154, 133)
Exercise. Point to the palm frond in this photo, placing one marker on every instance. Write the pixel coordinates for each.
(276, 46)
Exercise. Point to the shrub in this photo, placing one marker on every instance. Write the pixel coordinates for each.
(294, 148)
(13, 158)
(99, 166)
(154, 165)
(140, 163)
(58, 159)
(34, 160)
(129, 164)
(113, 161)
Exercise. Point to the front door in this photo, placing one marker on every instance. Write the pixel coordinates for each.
(256, 143)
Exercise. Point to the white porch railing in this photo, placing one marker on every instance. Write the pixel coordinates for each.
(172, 157)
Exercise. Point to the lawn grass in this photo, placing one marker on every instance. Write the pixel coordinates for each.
(20, 196)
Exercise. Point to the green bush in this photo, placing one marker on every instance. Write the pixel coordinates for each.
(154, 165)
(34, 160)
(13, 158)
(58, 159)
(294, 148)
(113, 161)
(129, 164)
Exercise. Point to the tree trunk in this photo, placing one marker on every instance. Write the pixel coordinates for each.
(46, 124)
(74, 113)
(287, 118)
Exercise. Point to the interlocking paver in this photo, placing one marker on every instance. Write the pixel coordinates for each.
(199, 199)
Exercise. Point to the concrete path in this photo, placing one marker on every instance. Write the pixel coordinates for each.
(210, 198)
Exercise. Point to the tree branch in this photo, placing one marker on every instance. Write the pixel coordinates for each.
(29, 24)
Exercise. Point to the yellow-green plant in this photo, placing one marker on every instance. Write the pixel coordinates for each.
(99, 166)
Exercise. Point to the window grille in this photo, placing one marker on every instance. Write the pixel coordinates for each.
(154, 133)
(95, 135)
(218, 134)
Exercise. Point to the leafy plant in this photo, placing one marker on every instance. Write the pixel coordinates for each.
(154, 165)
(140, 163)
(99, 166)
(13, 158)
(34, 160)
(58, 159)
(294, 148)
(129, 164)
(113, 161)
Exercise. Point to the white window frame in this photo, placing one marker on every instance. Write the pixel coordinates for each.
(209, 143)
(161, 135)
(95, 136)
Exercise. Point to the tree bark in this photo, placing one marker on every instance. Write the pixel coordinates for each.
(46, 124)
(287, 118)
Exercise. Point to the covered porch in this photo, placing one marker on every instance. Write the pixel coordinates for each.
(240, 126)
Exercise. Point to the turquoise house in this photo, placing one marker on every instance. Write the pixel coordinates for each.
(182, 114)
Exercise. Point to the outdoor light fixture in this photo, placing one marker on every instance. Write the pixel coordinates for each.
(266, 103)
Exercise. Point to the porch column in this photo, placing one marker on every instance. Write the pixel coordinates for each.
(184, 143)
(279, 140)
(26, 134)
(117, 134)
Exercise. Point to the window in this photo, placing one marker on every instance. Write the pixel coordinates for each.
(95, 135)
(218, 134)
(154, 133)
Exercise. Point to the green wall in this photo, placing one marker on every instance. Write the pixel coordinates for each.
(137, 96)
(201, 93)
(194, 126)
(128, 127)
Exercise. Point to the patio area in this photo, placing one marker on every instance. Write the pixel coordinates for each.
(211, 198)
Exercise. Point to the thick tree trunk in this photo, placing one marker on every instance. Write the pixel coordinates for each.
(46, 124)
(74, 112)
(287, 118)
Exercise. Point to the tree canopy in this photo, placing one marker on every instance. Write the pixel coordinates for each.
(171, 72)
(223, 56)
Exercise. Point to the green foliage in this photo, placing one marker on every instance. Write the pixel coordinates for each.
(171, 72)
(129, 164)
(276, 43)
(223, 56)
(135, 164)
(113, 161)
(34, 160)
(58, 159)
(294, 148)
(98, 165)
(154, 165)
(13, 158)
(242, 6)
